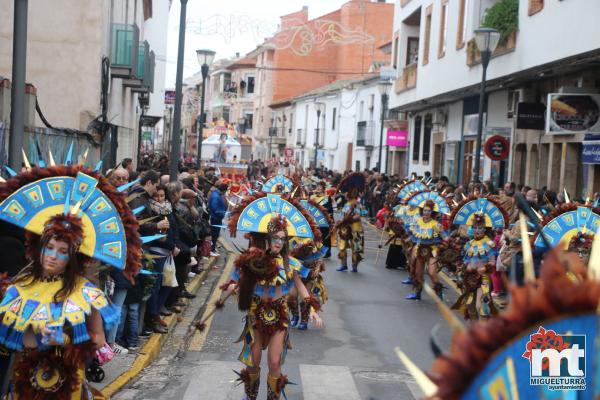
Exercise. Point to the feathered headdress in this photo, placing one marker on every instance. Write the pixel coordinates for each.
(255, 212)
(353, 185)
(78, 205)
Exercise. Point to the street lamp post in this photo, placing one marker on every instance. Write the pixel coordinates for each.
(17, 93)
(319, 107)
(176, 135)
(384, 87)
(205, 58)
(487, 40)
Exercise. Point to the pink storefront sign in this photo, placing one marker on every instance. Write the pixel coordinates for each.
(397, 138)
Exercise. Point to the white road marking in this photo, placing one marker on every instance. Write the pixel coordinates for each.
(327, 382)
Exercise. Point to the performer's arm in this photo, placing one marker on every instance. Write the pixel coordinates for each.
(314, 316)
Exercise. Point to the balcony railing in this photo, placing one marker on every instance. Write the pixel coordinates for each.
(124, 46)
(474, 56)
(408, 79)
(364, 133)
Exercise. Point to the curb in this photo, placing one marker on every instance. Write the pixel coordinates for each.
(151, 349)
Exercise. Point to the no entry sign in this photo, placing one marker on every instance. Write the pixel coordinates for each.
(497, 148)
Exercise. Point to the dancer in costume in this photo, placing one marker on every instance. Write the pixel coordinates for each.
(311, 258)
(265, 275)
(426, 233)
(51, 316)
(483, 215)
(321, 198)
(349, 229)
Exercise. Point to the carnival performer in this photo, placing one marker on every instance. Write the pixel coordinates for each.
(311, 258)
(321, 197)
(51, 316)
(481, 215)
(426, 233)
(264, 276)
(349, 229)
(479, 257)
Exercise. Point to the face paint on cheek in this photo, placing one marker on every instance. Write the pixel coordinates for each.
(54, 253)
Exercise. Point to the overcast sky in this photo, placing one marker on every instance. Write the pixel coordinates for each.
(230, 26)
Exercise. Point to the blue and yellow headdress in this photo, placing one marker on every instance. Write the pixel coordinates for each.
(566, 222)
(255, 213)
(409, 188)
(470, 209)
(79, 205)
(318, 212)
(440, 205)
(278, 184)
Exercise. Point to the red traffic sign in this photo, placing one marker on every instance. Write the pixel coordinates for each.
(497, 148)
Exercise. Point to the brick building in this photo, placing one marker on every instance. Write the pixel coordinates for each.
(307, 54)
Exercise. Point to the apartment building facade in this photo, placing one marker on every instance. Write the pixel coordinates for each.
(81, 55)
(439, 73)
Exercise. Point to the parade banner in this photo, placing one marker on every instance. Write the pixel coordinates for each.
(397, 138)
(573, 113)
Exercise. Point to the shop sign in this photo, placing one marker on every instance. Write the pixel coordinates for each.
(590, 152)
(497, 148)
(169, 97)
(531, 116)
(573, 113)
(397, 138)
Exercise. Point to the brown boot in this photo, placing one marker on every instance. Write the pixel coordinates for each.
(159, 321)
(275, 386)
(251, 381)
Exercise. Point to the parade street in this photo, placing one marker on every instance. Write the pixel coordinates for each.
(365, 318)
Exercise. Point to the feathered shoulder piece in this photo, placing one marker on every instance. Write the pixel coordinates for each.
(558, 311)
(467, 211)
(255, 212)
(257, 264)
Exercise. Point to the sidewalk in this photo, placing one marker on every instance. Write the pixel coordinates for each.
(123, 368)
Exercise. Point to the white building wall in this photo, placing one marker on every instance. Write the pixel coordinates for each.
(543, 37)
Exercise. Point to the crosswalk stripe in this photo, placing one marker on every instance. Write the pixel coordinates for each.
(327, 382)
(213, 380)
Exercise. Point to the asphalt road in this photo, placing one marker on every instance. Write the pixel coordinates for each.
(352, 357)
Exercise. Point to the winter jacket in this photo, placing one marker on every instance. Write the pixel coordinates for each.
(216, 206)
